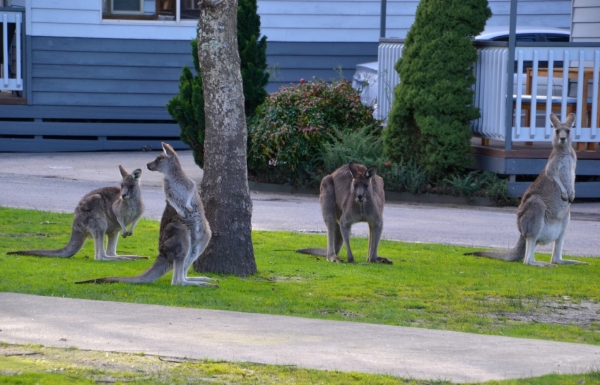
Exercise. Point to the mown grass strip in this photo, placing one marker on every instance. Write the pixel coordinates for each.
(50, 366)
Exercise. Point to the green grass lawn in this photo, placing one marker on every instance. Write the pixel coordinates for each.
(429, 286)
(34, 364)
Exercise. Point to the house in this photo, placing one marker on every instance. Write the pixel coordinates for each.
(514, 135)
(96, 74)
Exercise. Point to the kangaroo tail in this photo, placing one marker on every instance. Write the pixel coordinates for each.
(159, 268)
(515, 254)
(313, 251)
(75, 244)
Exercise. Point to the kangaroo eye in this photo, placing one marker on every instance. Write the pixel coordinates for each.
(131, 186)
(568, 131)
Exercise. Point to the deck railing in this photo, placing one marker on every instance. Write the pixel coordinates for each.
(11, 75)
(558, 78)
(557, 91)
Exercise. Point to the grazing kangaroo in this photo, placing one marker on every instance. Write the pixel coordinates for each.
(544, 212)
(183, 234)
(351, 194)
(104, 211)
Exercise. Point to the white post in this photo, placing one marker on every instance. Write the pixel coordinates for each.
(5, 49)
(19, 51)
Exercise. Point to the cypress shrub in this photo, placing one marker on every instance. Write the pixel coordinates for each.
(433, 104)
(187, 107)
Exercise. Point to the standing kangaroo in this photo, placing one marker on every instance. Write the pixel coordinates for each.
(183, 234)
(104, 211)
(544, 212)
(351, 194)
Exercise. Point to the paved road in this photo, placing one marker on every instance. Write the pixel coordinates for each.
(56, 182)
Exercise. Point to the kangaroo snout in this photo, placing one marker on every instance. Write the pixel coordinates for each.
(150, 166)
(360, 198)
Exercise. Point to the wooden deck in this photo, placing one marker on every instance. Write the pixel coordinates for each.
(7, 97)
(529, 160)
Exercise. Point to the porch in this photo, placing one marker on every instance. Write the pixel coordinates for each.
(559, 78)
(11, 55)
(548, 77)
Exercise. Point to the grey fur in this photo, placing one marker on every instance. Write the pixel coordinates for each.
(544, 212)
(179, 189)
(351, 194)
(183, 235)
(104, 211)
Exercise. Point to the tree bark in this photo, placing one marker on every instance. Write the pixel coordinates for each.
(225, 192)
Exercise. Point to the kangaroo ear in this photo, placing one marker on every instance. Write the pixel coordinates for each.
(123, 171)
(570, 120)
(353, 169)
(554, 121)
(137, 173)
(169, 151)
(371, 171)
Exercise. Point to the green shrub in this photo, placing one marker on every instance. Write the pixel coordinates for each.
(187, 107)
(433, 104)
(288, 131)
(366, 148)
(480, 184)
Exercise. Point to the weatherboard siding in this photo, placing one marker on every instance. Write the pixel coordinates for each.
(586, 21)
(281, 20)
(106, 72)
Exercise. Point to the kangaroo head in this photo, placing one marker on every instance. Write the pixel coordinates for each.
(130, 184)
(562, 131)
(163, 160)
(361, 182)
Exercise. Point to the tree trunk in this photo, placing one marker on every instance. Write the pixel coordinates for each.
(225, 193)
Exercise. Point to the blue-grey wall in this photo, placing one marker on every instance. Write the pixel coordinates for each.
(110, 94)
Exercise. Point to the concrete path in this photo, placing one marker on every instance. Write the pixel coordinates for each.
(330, 345)
(56, 182)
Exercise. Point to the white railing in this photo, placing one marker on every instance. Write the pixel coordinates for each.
(388, 54)
(543, 88)
(11, 75)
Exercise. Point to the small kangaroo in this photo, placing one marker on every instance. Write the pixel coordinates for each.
(544, 212)
(183, 234)
(104, 211)
(351, 194)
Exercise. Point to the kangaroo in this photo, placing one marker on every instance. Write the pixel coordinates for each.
(183, 234)
(544, 212)
(351, 194)
(104, 211)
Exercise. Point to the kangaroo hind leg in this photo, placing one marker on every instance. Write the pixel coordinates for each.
(558, 246)
(111, 248)
(328, 209)
(531, 224)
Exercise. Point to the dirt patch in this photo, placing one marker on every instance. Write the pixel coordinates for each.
(565, 312)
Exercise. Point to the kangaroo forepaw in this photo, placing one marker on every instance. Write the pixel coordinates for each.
(189, 208)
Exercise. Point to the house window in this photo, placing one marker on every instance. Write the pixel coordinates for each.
(174, 10)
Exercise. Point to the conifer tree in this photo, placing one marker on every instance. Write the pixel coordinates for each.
(187, 107)
(433, 103)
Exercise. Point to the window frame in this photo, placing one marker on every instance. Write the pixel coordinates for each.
(116, 19)
(113, 12)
